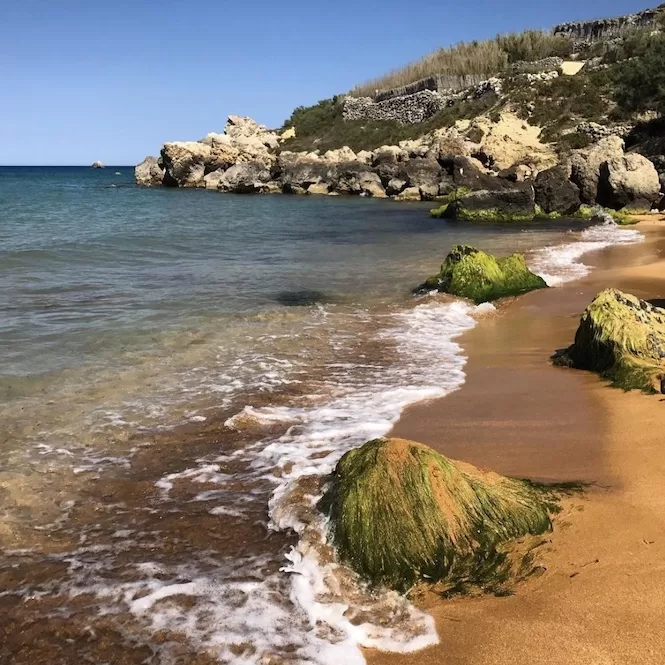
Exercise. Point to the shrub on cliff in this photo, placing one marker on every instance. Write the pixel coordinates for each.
(623, 339)
(639, 83)
(471, 273)
(401, 514)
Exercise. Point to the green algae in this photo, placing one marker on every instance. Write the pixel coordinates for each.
(403, 514)
(470, 273)
(623, 339)
(446, 200)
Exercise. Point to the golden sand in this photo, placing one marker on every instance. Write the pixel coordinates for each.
(600, 599)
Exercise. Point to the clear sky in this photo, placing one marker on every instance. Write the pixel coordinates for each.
(82, 80)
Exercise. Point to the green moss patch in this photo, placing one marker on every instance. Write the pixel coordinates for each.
(403, 514)
(470, 273)
(623, 339)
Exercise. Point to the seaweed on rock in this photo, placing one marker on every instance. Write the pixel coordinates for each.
(623, 339)
(471, 273)
(401, 514)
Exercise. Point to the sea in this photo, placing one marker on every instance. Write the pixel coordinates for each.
(180, 370)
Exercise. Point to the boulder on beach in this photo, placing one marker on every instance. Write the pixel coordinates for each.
(471, 273)
(623, 339)
(555, 193)
(402, 514)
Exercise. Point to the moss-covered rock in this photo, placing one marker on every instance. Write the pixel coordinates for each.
(623, 339)
(514, 204)
(470, 273)
(445, 200)
(401, 513)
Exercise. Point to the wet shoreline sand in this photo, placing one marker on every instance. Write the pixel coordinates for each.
(601, 595)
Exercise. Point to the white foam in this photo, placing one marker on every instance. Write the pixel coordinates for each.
(561, 263)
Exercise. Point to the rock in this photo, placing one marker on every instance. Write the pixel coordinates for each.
(395, 186)
(97, 165)
(245, 178)
(370, 184)
(555, 193)
(344, 154)
(355, 178)
(409, 194)
(287, 134)
(638, 207)
(585, 166)
(517, 173)
(298, 170)
(212, 180)
(365, 156)
(623, 339)
(318, 188)
(470, 273)
(223, 154)
(466, 172)
(627, 178)
(516, 204)
(149, 173)
(401, 514)
(420, 172)
(184, 163)
(428, 192)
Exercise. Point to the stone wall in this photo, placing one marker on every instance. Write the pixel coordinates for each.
(607, 28)
(413, 108)
(438, 83)
(408, 109)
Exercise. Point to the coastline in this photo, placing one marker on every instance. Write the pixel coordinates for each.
(600, 596)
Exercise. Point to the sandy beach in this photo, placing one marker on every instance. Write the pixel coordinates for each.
(600, 599)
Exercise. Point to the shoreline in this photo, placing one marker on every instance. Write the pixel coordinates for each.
(599, 598)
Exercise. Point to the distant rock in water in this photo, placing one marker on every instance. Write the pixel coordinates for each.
(471, 273)
(97, 165)
(623, 339)
(402, 514)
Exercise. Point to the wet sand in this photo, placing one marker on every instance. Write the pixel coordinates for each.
(601, 597)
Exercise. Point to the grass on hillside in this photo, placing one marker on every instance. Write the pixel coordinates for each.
(489, 57)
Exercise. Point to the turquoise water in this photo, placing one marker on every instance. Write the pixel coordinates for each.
(174, 365)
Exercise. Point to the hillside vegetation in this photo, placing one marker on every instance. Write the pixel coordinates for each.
(487, 58)
(627, 80)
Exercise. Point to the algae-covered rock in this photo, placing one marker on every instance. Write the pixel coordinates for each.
(623, 339)
(515, 204)
(471, 273)
(401, 513)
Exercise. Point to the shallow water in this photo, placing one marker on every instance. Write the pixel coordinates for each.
(175, 364)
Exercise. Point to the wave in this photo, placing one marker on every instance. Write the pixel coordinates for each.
(561, 263)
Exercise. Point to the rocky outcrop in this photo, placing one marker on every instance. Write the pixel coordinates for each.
(470, 273)
(97, 165)
(623, 339)
(185, 163)
(401, 514)
(554, 192)
(608, 28)
(150, 172)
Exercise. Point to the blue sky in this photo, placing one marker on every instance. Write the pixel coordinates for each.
(86, 80)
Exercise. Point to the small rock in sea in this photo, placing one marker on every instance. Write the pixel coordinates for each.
(98, 165)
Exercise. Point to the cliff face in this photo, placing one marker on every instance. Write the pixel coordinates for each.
(608, 28)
